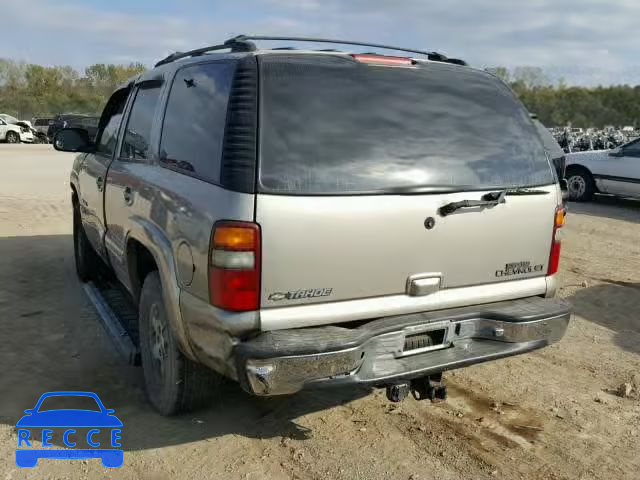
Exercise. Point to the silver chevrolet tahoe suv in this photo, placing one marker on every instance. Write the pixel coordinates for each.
(304, 218)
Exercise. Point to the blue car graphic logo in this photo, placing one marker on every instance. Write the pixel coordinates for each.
(69, 419)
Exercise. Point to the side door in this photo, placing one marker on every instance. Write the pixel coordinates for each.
(621, 174)
(3, 129)
(93, 168)
(127, 193)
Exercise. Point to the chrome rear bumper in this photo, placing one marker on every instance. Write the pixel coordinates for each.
(377, 353)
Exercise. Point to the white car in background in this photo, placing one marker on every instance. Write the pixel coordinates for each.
(10, 133)
(13, 130)
(616, 172)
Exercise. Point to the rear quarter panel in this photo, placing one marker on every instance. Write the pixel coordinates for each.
(182, 207)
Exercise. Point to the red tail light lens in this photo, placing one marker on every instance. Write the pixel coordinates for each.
(234, 266)
(554, 256)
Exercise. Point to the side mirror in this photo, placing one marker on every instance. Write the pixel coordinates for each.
(29, 410)
(73, 140)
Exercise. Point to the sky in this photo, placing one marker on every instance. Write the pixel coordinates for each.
(586, 42)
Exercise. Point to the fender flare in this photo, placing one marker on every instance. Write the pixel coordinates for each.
(153, 239)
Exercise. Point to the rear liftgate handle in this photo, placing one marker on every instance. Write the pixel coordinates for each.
(423, 284)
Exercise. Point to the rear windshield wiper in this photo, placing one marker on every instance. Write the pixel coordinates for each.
(489, 200)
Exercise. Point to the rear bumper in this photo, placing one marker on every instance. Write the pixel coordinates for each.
(285, 361)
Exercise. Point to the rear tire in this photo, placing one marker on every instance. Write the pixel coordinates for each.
(174, 384)
(87, 261)
(580, 185)
(12, 137)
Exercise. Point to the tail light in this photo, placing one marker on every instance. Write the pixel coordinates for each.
(234, 266)
(554, 256)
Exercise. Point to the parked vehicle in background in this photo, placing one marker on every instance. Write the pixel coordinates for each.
(42, 124)
(37, 137)
(615, 171)
(379, 244)
(592, 139)
(69, 120)
(13, 130)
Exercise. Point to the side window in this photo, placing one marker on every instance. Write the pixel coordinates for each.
(137, 135)
(110, 122)
(194, 121)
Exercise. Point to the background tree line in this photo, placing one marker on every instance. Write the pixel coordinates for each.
(558, 104)
(28, 90)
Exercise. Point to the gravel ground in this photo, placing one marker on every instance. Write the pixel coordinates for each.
(552, 414)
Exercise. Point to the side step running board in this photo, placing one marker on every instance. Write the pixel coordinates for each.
(113, 324)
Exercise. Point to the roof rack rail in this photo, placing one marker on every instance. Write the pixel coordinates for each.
(234, 44)
(243, 43)
(435, 56)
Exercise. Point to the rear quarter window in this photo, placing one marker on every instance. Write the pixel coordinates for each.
(195, 118)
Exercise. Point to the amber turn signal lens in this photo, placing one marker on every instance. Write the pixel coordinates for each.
(234, 238)
(560, 214)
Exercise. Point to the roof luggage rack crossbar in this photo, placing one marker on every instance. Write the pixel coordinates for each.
(430, 55)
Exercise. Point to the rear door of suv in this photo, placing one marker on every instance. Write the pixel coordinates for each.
(357, 160)
(93, 168)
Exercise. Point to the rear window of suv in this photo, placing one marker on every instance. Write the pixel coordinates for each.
(331, 125)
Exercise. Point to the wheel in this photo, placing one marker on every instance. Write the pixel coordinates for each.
(174, 384)
(87, 261)
(580, 185)
(12, 137)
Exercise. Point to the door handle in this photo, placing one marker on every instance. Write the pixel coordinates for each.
(127, 195)
(100, 183)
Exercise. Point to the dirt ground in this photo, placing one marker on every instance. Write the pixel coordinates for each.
(552, 414)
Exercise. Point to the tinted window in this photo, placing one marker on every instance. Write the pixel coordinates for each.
(333, 125)
(137, 136)
(195, 118)
(111, 117)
